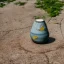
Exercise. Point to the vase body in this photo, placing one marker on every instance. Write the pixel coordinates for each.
(39, 31)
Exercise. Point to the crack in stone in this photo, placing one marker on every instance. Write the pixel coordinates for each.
(44, 53)
(61, 28)
(47, 58)
(16, 29)
(22, 48)
(5, 35)
(49, 20)
(60, 47)
(7, 32)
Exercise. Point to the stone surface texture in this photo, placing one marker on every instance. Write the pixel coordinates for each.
(16, 46)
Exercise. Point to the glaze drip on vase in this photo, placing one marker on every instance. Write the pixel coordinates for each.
(39, 31)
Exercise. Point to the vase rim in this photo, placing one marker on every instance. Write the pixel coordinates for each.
(39, 20)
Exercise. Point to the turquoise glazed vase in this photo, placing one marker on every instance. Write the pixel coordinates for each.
(39, 32)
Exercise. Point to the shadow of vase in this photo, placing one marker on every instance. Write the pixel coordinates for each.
(50, 40)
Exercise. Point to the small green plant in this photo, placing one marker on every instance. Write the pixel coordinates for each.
(36, 17)
(53, 7)
(43, 17)
(2, 2)
(20, 3)
(8, 1)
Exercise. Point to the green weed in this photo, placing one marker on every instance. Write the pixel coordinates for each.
(37, 17)
(53, 7)
(2, 2)
(8, 1)
(20, 3)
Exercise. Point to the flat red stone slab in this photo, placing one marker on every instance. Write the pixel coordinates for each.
(29, 45)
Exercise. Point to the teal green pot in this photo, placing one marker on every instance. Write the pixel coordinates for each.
(39, 32)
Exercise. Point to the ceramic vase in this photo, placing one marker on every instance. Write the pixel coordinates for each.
(39, 32)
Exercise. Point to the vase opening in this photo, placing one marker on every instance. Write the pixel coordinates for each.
(39, 20)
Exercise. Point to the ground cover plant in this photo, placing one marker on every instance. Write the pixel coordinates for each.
(20, 3)
(4, 2)
(52, 7)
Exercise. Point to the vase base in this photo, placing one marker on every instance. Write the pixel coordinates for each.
(44, 42)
